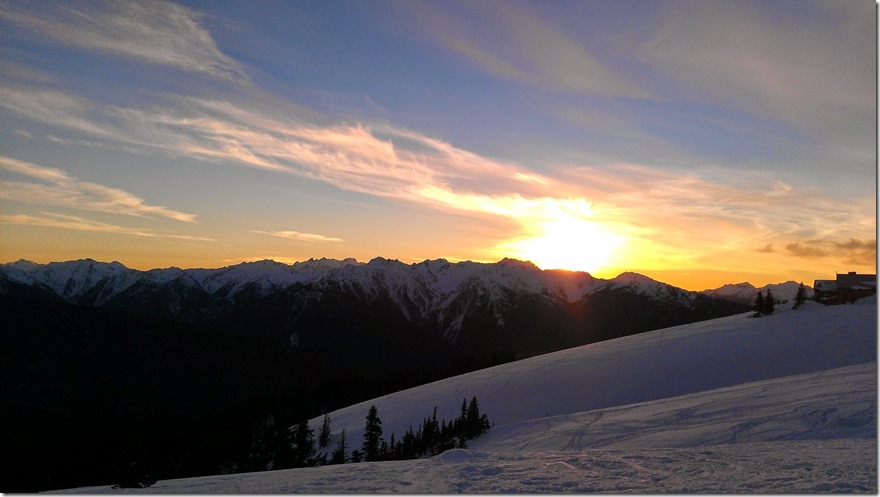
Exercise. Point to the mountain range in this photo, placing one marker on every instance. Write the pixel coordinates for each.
(216, 351)
(429, 285)
(506, 309)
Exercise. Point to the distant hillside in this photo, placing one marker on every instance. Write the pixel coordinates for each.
(744, 293)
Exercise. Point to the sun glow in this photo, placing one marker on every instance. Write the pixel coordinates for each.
(557, 233)
(568, 243)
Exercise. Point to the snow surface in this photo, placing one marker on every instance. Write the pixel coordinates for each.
(784, 403)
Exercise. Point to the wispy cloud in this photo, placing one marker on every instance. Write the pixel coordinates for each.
(852, 251)
(508, 40)
(78, 223)
(58, 188)
(811, 71)
(154, 31)
(303, 237)
(692, 220)
(662, 214)
(806, 250)
(380, 159)
(766, 249)
(53, 107)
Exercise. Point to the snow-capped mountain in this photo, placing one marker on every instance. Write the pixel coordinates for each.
(420, 288)
(745, 292)
(165, 355)
(506, 309)
(500, 310)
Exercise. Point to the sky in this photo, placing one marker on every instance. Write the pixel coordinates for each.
(698, 143)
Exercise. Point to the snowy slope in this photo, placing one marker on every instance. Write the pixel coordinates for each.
(775, 436)
(639, 368)
(782, 403)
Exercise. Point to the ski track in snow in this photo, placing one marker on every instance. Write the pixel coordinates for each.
(811, 466)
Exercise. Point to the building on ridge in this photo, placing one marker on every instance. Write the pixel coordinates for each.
(846, 288)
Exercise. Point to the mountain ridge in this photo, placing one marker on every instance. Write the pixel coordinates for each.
(268, 273)
(506, 309)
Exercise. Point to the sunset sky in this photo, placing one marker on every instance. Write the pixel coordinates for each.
(698, 143)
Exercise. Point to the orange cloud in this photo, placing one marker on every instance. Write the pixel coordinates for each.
(53, 220)
(60, 189)
(703, 218)
(806, 250)
(305, 237)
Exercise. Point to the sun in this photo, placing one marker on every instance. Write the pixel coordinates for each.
(567, 242)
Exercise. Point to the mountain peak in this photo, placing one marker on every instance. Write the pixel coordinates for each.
(516, 263)
(631, 278)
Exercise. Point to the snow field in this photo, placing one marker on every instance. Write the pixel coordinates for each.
(781, 404)
(810, 466)
(640, 368)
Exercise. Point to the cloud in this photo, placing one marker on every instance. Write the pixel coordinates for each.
(815, 71)
(805, 250)
(53, 107)
(662, 214)
(303, 237)
(766, 249)
(508, 40)
(853, 244)
(58, 188)
(153, 31)
(852, 251)
(53, 220)
(858, 252)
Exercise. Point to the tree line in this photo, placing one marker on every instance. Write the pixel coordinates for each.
(278, 444)
(431, 438)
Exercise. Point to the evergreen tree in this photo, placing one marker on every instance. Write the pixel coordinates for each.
(339, 455)
(759, 305)
(431, 434)
(769, 303)
(408, 445)
(393, 449)
(474, 425)
(356, 456)
(801, 296)
(372, 435)
(261, 450)
(281, 448)
(304, 445)
(462, 418)
(324, 434)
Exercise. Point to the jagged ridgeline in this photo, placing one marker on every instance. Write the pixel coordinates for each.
(172, 370)
(509, 309)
